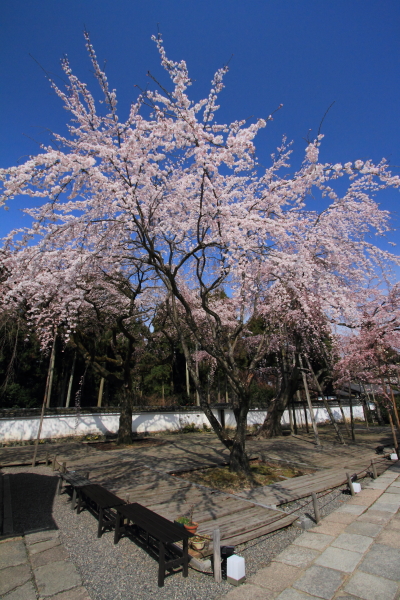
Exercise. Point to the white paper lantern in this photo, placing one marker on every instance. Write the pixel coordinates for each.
(235, 569)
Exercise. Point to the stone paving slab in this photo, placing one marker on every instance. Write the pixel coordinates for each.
(12, 577)
(383, 561)
(364, 528)
(77, 593)
(297, 557)
(353, 542)
(48, 556)
(314, 541)
(56, 577)
(276, 577)
(320, 581)
(369, 587)
(23, 592)
(339, 559)
(12, 553)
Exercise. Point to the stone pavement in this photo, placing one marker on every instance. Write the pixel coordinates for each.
(353, 554)
(37, 566)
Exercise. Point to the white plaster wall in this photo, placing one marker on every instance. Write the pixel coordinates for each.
(60, 426)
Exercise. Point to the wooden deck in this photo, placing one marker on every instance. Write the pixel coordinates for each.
(143, 475)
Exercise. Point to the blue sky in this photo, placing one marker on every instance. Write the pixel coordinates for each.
(305, 54)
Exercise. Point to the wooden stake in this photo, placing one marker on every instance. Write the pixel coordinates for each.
(374, 473)
(396, 414)
(326, 404)
(310, 407)
(217, 555)
(316, 507)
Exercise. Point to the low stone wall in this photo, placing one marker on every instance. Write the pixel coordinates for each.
(24, 428)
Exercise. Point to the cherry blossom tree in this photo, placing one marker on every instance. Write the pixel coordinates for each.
(172, 191)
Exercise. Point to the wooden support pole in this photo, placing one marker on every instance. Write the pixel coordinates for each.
(317, 514)
(326, 404)
(353, 437)
(374, 472)
(343, 417)
(350, 484)
(217, 555)
(100, 395)
(395, 442)
(310, 407)
(71, 379)
(53, 464)
(396, 413)
(46, 393)
(52, 360)
(294, 417)
(290, 419)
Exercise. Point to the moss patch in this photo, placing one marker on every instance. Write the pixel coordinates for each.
(220, 478)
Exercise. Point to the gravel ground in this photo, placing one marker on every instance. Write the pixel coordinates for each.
(126, 571)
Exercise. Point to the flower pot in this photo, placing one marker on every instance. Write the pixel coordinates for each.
(198, 545)
(192, 528)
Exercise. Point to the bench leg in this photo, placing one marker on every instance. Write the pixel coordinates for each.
(185, 558)
(59, 485)
(161, 565)
(100, 527)
(73, 501)
(117, 528)
(79, 505)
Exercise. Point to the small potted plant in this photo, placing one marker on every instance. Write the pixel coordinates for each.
(187, 521)
(199, 542)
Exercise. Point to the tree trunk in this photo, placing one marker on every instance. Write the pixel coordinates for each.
(125, 418)
(238, 460)
(272, 423)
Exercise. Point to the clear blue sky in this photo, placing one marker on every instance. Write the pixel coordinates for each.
(302, 53)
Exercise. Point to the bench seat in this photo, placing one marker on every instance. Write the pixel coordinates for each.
(160, 529)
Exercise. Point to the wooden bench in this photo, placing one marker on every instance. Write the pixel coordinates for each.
(74, 480)
(103, 501)
(160, 529)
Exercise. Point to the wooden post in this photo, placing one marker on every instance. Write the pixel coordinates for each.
(395, 442)
(187, 381)
(64, 467)
(290, 419)
(52, 360)
(353, 437)
(310, 408)
(53, 464)
(350, 484)
(100, 395)
(306, 417)
(365, 414)
(87, 474)
(217, 555)
(294, 417)
(343, 416)
(396, 414)
(326, 404)
(46, 391)
(71, 379)
(374, 473)
(162, 392)
(197, 373)
(316, 507)
(47, 459)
